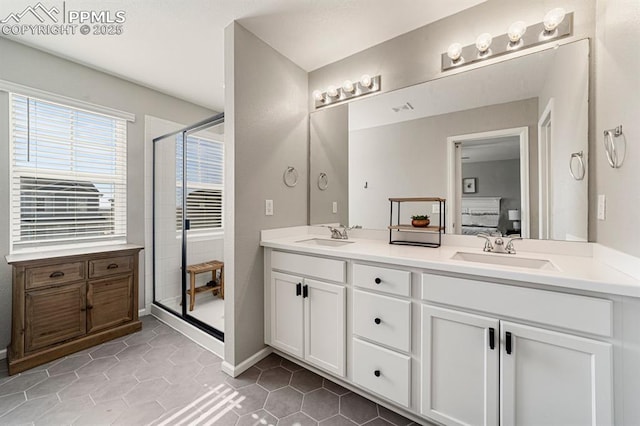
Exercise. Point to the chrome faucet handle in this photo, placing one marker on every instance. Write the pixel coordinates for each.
(487, 244)
(510, 248)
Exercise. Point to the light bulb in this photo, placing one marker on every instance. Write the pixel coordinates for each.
(553, 18)
(348, 86)
(483, 42)
(366, 81)
(516, 31)
(317, 95)
(454, 51)
(332, 91)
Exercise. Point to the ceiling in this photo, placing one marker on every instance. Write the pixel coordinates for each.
(177, 47)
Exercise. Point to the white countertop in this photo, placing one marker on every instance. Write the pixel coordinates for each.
(588, 271)
(52, 254)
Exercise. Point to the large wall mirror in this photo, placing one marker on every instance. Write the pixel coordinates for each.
(505, 144)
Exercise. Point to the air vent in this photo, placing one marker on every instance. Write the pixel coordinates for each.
(404, 107)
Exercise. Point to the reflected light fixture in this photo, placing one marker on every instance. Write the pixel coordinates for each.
(557, 24)
(483, 42)
(516, 31)
(553, 18)
(454, 52)
(349, 89)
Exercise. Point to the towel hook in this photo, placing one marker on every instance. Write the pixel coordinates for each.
(581, 166)
(613, 157)
(290, 176)
(323, 181)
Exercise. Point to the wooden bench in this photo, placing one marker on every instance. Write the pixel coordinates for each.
(212, 266)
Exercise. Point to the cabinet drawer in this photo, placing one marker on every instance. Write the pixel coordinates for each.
(393, 281)
(382, 319)
(43, 276)
(570, 311)
(110, 266)
(382, 371)
(317, 267)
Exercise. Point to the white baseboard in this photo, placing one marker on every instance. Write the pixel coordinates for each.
(142, 312)
(3, 353)
(192, 332)
(235, 371)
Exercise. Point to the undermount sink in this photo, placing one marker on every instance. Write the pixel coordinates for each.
(325, 242)
(505, 260)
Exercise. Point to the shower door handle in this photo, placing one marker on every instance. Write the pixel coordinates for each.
(187, 224)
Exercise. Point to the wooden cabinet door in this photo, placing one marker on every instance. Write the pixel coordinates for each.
(54, 315)
(460, 354)
(324, 320)
(286, 313)
(551, 378)
(109, 302)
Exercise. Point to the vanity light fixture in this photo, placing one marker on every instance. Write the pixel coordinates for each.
(556, 24)
(348, 90)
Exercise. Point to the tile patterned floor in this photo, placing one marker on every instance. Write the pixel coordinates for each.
(159, 377)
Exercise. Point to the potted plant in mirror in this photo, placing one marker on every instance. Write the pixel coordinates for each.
(420, 221)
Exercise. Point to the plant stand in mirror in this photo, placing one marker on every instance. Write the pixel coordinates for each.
(401, 231)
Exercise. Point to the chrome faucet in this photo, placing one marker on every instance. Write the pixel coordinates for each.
(341, 234)
(498, 245)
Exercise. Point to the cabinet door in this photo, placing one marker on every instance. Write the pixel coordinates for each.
(324, 319)
(109, 303)
(459, 367)
(286, 313)
(554, 378)
(54, 315)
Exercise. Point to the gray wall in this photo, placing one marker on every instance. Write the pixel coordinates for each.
(329, 153)
(30, 67)
(267, 130)
(617, 82)
(413, 157)
(497, 179)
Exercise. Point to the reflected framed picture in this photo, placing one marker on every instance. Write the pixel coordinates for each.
(469, 185)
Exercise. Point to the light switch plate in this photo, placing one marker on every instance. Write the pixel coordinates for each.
(268, 207)
(602, 207)
(335, 207)
(435, 208)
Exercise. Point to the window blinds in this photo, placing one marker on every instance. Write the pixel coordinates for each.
(68, 175)
(205, 160)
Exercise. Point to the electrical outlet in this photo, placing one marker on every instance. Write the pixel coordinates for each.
(435, 208)
(268, 207)
(335, 207)
(602, 207)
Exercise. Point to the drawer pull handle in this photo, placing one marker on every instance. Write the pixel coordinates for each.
(378, 280)
(376, 373)
(305, 291)
(57, 274)
(112, 266)
(492, 338)
(508, 342)
(89, 306)
(298, 289)
(377, 320)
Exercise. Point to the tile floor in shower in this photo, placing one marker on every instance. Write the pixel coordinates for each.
(158, 376)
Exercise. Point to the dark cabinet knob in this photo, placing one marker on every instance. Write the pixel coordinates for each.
(377, 320)
(376, 373)
(378, 280)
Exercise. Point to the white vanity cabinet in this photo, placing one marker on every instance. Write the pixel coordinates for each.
(485, 370)
(307, 315)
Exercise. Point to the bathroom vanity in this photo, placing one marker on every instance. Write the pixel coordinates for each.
(458, 336)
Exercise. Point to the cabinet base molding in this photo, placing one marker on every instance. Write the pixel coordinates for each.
(63, 349)
(236, 370)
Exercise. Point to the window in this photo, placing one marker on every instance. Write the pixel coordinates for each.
(205, 160)
(68, 175)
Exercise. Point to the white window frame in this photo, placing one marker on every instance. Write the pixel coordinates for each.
(15, 171)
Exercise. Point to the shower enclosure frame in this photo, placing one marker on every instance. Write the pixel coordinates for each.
(184, 315)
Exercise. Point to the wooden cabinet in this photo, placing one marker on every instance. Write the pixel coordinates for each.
(64, 304)
(308, 320)
(545, 377)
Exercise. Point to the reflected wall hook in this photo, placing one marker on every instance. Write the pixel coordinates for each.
(614, 157)
(366, 185)
(581, 166)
